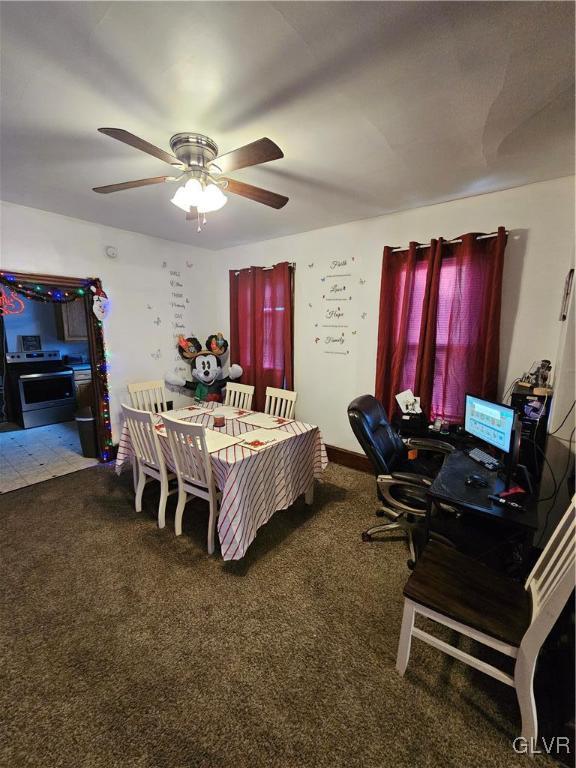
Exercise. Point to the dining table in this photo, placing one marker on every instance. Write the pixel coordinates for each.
(255, 482)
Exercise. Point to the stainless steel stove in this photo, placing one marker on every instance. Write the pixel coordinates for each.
(42, 387)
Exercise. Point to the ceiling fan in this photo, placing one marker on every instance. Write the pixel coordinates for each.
(201, 169)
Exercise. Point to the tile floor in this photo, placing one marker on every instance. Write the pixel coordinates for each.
(32, 455)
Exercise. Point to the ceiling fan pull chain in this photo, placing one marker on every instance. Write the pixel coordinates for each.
(198, 219)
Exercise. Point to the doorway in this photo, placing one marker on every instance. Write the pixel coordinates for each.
(54, 376)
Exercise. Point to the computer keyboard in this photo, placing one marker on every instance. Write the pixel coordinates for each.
(484, 459)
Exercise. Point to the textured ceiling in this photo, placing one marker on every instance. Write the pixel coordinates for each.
(377, 106)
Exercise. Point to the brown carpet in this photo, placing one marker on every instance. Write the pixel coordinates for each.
(124, 646)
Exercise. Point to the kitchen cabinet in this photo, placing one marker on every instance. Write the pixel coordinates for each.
(71, 321)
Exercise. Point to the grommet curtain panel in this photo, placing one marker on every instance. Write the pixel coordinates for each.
(261, 327)
(439, 325)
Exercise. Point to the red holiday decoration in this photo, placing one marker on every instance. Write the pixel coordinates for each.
(10, 302)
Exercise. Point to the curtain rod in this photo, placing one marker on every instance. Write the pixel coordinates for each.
(290, 264)
(450, 242)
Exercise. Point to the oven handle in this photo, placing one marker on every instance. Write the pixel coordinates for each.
(45, 375)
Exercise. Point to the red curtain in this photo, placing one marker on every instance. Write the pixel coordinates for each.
(261, 327)
(439, 327)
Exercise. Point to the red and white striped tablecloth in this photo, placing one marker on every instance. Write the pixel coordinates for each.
(254, 485)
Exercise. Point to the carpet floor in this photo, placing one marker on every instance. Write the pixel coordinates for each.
(126, 646)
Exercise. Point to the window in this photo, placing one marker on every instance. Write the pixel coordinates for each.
(261, 335)
(439, 323)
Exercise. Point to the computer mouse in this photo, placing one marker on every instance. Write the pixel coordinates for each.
(476, 481)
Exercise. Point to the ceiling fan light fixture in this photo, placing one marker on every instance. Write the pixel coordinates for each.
(213, 199)
(188, 195)
(194, 191)
(181, 199)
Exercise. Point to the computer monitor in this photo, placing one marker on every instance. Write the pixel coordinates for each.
(491, 422)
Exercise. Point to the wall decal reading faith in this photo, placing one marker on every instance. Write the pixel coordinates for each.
(335, 303)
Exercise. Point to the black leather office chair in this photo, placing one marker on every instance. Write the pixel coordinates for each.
(401, 482)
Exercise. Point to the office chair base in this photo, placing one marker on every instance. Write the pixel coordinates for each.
(400, 525)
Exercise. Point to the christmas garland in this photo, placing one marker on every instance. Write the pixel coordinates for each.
(38, 292)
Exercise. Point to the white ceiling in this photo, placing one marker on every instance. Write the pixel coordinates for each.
(378, 106)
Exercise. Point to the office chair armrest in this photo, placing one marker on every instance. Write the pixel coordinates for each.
(429, 444)
(405, 477)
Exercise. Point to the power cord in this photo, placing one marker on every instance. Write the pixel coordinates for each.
(564, 419)
(511, 387)
(552, 475)
(559, 486)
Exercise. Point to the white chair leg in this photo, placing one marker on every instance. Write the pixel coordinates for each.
(212, 525)
(135, 472)
(162, 504)
(182, 499)
(523, 683)
(405, 637)
(140, 489)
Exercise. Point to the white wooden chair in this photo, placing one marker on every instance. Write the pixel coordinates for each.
(280, 402)
(239, 395)
(148, 396)
(193, 470)
(149, 464)
(512, 618)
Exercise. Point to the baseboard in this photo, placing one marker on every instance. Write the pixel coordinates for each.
(349, 459)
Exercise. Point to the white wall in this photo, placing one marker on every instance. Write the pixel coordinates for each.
(540, 218)
(139, 329)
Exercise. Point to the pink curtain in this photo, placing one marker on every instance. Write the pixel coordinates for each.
(261, 327)
(439, 328)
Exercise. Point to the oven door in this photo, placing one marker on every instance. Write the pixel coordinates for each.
(46, 390)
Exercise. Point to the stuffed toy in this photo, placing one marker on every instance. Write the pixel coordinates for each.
(210, 369)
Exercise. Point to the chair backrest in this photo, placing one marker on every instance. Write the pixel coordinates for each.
(189, 452)
(148, 396)
(239, 395)
(551, 581)
(144, 437)
(381, 444)
(280, 402)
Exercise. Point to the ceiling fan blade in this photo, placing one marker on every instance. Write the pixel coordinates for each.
(261, 151)
(257, 194)
(131, 184)
(138, 143)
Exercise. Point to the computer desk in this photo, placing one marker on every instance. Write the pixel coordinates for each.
(449, 488)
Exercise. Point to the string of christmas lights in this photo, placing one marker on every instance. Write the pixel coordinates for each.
(37, 292)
